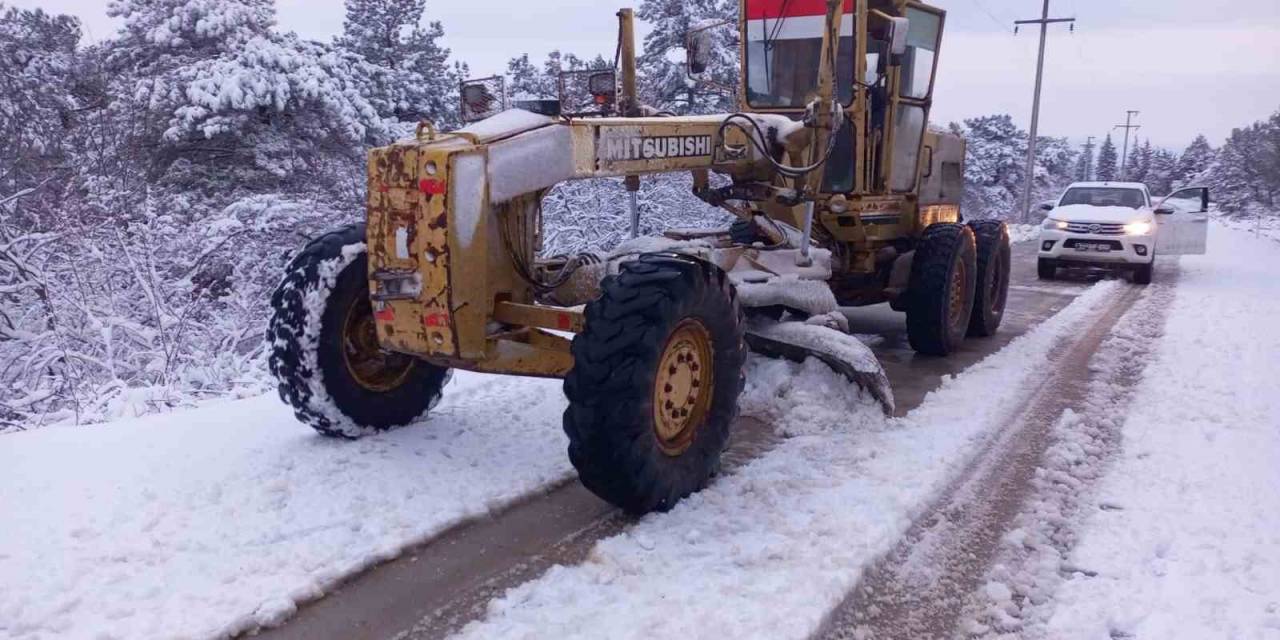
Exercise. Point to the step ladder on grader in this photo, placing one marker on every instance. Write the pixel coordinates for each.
(844, 198)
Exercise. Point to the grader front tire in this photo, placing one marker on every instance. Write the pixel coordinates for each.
(325, 354)
(655, 382)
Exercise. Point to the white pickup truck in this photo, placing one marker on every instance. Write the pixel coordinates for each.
(1112, 225)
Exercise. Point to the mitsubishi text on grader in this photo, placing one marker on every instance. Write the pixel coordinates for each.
(844, 198)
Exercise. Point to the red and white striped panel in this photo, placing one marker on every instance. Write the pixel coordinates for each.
(804, 19)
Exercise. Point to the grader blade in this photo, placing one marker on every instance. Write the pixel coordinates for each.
(844, 353)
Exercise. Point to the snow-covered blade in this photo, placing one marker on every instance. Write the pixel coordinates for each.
(842, 352)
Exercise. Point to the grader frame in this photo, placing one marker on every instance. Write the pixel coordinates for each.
(447, 211)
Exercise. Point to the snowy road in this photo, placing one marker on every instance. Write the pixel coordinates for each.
(1015, 485)
(473, 563)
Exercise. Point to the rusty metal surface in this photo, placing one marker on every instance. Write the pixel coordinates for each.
(408, 231)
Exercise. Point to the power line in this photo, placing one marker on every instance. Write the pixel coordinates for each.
(997, 21)
(1044, 23)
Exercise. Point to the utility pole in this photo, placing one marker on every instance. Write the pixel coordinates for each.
(1124, 157)
(1088, 159)
(1044, 23)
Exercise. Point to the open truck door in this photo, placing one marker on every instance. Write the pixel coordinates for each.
(1183, 222)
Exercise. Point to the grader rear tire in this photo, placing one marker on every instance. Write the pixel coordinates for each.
(992, 290)
(655, 382)
(941, 291)
(325, 354)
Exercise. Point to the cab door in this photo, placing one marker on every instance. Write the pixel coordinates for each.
(1184, 216)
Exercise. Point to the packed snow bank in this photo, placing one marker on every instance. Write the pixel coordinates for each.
(1188, 545)
(1023, 232)
(206, 523)
(768, 551)
(1259, 225)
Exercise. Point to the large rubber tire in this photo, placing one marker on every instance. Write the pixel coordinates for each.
(1046, 269)
(992, 290)
(614, 439)
(1142, 274)
(937, 323)
(322, 296)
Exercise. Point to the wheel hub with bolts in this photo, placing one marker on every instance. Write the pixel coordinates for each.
(682, 388)
(371, 367)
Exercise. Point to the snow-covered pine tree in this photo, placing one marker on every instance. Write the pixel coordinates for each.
(211, 98)
(1194, 160)
(1161, 177)
(665, 83)
(527, 82)
(1084, 162)
(1108, 161)
(1140, 161)
(417, 82)
(994, 170)
(1243, 175)
(37, 60)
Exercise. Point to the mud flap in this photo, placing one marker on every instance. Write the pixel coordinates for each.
(842, 352)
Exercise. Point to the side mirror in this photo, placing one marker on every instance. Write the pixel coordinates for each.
(898, 28)
(700, 47)
(1165, 210)
(1046, 206)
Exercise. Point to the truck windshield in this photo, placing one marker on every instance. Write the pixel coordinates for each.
(1104, 197)
(784, 46)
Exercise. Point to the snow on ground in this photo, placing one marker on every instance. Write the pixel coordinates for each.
(1189, 546)
(205, 523)
(769, 550)
(1032, 558)
(1260, 225)
(1023, 232)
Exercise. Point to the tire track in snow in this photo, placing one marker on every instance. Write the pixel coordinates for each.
(920, 589)
(1033, 558)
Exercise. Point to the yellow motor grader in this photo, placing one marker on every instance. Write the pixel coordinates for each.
(843, 197)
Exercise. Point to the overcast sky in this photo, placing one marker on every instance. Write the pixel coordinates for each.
(1188, 66)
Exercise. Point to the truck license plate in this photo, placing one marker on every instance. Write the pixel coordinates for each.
(1085, 246)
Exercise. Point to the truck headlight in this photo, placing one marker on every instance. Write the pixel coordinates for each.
(1053, 225)
(1137, 228)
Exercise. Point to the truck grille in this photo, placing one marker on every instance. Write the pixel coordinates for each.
(1096, 228)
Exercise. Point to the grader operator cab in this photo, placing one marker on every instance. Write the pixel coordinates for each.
(843, 196)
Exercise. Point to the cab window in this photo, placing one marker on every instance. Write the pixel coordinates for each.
(784, 48)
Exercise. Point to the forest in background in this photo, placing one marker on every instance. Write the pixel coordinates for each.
(154, 185)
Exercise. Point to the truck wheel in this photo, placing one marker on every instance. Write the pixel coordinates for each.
(324, 349)
(992, 290)
(941, 289)
(655, 382)
(1046, 269)
(1142, 275)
